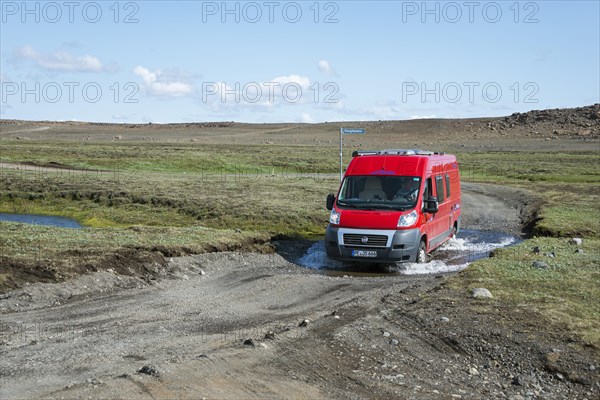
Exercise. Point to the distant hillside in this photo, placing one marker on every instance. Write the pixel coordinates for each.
(582, 121)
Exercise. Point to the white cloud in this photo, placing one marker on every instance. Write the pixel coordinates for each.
(222, 99)
(432, 116)
(60, 61)
(302, 81)
(259, 96)
(326, 68)
(158, 83)
(306, 118)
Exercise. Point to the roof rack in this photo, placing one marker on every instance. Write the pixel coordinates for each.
(395, 152)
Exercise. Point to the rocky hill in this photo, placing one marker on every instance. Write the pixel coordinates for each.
(580, 121)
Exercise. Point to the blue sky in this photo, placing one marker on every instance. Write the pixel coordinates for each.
(284, 61)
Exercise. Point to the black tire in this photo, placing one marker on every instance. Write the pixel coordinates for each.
(454, 231)
(422, 253)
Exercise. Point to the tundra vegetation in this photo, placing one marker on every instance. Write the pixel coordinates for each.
(181, 198)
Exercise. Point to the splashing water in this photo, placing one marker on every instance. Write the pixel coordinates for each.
(316, 258)
(432, 267)
(453, 256)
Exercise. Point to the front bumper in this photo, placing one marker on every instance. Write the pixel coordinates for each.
(401, 246)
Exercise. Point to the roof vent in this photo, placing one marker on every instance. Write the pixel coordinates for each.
(395, 152)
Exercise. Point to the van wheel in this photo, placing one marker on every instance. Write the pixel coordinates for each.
(453, 235)
(422, 253)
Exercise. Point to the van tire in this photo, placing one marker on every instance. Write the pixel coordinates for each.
(422, 253)
(454, 231)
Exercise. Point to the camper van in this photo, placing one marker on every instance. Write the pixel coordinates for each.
(394, 206)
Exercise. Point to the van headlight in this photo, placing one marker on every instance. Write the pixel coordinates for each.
(408, 219)
(334, 218)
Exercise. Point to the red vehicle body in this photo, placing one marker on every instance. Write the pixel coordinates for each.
(394, 206)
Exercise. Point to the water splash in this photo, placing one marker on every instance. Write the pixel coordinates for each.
(455, 255)
(432, 267)
(316, 258)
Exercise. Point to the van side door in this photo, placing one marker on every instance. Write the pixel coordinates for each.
(442, 221)
(431, 221)
(453, 195)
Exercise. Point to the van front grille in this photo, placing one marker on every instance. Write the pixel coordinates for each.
(354, 239)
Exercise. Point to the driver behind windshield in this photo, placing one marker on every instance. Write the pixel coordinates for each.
(409, 190)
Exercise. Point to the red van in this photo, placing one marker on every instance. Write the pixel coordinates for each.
(394, 206)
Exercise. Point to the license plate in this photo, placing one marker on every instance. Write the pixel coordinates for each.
(364, 253)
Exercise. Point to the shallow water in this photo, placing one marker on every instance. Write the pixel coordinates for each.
(454, 255)
(35, 219)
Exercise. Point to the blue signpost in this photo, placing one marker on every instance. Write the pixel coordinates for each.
(348, 131)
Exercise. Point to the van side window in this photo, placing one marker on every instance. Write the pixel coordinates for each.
(448, 186)
(439, 188)
(428, 190)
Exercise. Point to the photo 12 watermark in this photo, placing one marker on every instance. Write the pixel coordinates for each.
(470, 92)
(68, 92)
(253, 12)
(54, 12)
(289, 92)
(485, 171)
(59, 178)
(244, 173)
(452, 12)
(33, 332)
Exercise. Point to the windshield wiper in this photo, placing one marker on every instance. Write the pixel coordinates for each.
(382, 206)
(343, 203)
(366, 206)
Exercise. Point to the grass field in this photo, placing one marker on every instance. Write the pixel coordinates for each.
(178, 158)
(567, 185)
(567, 292)
(192, 198)
(267, 188)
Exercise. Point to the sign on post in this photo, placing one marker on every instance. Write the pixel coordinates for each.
(353, 131)
(348, 131)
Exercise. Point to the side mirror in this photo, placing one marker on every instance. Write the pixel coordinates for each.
(330, 201)
(431, 205)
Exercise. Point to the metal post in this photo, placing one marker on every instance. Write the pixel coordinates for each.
(341, 135)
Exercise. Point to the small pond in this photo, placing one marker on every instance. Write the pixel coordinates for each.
(48, 220)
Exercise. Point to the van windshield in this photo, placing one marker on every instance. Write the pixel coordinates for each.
(379, 192)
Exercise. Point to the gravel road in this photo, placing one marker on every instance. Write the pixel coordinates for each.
(242, 325)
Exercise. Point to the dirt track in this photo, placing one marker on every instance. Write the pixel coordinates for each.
(368, 337)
